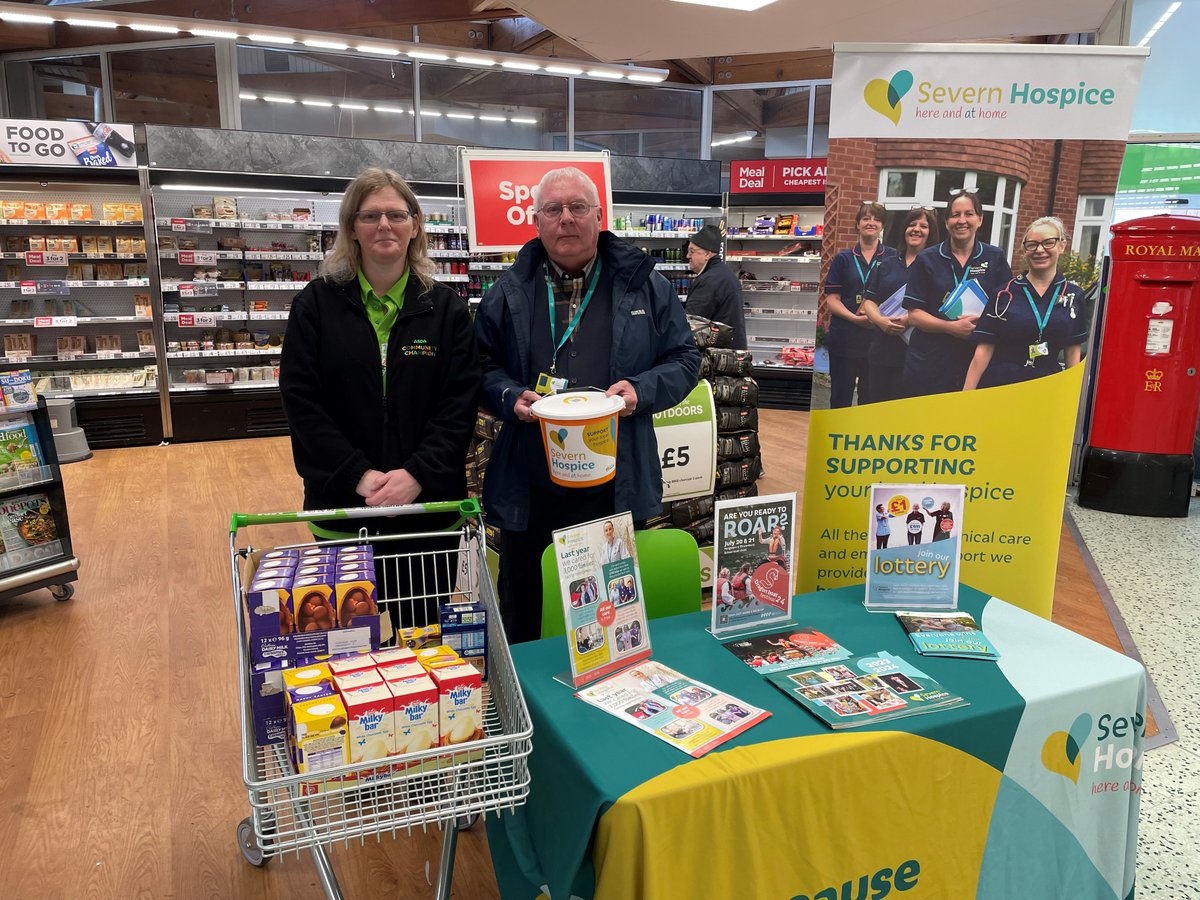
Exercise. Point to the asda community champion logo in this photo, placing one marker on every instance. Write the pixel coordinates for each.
(1062, 751)
(884, 96)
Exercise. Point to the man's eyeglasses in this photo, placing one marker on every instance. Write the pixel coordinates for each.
(372, 216)
(1047, 244)
(577, 207)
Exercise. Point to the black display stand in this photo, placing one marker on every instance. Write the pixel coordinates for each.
(60, 571)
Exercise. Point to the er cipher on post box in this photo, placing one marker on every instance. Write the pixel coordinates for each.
(1138, 458)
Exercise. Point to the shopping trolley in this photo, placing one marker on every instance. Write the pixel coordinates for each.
(444, 786)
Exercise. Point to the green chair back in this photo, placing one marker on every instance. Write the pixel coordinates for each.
(669, 564)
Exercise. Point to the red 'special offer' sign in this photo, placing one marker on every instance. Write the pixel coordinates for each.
(777, 176)
(499, 187)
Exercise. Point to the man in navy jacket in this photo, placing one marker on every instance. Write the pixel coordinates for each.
(587, 309)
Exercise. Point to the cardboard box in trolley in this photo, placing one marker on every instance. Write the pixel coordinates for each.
(371, 711)
(320, 734)
(269, 611)
(416, 715)
(464, 630)
(344, 663)
(356, 597)
(460, 703)
(268, 703)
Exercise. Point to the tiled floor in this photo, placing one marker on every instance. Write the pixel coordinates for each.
(1152, 569)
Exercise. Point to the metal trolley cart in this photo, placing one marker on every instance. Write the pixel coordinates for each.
(443, 786)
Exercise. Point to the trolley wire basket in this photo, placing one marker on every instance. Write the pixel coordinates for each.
(447, 785)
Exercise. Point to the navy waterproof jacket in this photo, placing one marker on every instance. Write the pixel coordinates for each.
(653, 349)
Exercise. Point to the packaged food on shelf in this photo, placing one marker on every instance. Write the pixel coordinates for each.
(80, 212)
(224, 208)
(111, 211)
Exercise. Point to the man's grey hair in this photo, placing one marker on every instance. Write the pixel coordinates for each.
(566, 173)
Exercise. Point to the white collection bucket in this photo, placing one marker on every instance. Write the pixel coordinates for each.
(579, 434)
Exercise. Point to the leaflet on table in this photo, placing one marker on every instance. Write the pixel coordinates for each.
(947, 634)
(866, 689)
(967, 299)
(28, 531)
(685, 713)
(913, 546)
(792, 648)
(602, 597)
(754, 543)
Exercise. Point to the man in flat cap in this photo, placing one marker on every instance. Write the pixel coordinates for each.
(716, 293)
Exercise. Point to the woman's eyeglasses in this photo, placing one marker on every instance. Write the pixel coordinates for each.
(372, 216)
(1047, 244)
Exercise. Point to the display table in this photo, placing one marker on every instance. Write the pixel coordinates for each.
(1032, 791)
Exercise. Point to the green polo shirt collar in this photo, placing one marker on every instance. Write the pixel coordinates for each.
(382, 311)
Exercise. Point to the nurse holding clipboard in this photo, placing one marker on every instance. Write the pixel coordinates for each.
(941, 348)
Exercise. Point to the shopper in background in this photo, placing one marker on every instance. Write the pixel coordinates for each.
(940, 349)
(379, 371)
(885, 367)
(1032, 319)
(849, 337)
(585, 308)
(715, 293)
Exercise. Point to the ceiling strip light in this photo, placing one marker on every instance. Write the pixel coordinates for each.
(454, 115)
(247, 96)
(325, 45)
(272, 98)
(427, 54)
(27, 18)
(377, 49)
(272, 39)
(1160, 23)
(520, 120)
(153, 29)
(606, 73)
(92, 23)
(213, 33)
(648, 79)
(327, 104)
(362, 107)
(564, 70)
(520, 66)
(483, 118)
(391, 109)
(475, 60)
(432, 113)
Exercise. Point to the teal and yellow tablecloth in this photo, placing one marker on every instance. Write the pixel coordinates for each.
(1031, 792)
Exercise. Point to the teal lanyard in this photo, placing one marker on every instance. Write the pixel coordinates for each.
(870, 268)
(554, 342)
(1037, 316)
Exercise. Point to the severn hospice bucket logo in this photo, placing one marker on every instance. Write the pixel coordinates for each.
(1062, 750)
(884, 96)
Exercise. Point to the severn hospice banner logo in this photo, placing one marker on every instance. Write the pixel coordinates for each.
(1021, 91)
(1062, 750)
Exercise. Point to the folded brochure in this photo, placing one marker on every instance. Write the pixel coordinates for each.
(866, 689)
(967, 299)
(685, 713)
(947, 634)
(791, 648)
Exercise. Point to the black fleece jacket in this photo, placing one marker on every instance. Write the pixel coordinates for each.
(341, 421)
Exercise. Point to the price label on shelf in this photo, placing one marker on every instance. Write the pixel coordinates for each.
(17, 355)
(197, 226)
(197, 320)
(45, 258)
(28, 287)
(109, 354)
(197, 258)
(55, 321)
(58, 288)
(197, 290)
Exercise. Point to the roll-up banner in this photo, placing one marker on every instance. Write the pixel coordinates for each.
(499, 192)
(969, 372)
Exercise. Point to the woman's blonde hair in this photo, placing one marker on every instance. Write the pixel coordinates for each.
(1053, 221)
(345, 259)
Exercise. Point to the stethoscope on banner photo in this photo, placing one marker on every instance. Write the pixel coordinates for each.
(1067, 300)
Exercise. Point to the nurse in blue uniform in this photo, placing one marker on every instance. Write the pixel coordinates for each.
(940, 350)
(1032, 319)
(849, 341)
(885, 368)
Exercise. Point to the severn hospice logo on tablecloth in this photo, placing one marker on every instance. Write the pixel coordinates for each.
(1063, 752)
(1027, 91)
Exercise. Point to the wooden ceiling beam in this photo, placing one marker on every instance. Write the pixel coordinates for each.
(803, 66)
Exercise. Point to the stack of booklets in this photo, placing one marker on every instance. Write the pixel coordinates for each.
(792, 648)
(947, 634)
(865, 690)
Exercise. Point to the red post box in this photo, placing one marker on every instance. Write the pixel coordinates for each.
(1138, 458)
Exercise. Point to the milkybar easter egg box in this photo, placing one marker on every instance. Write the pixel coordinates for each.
(416, 705)
(460, 703)
(372, 724)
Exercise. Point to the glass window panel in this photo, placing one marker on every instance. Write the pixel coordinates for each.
(326, 80)
(821, 121)
(64, 88)
(1093, 206)
(901, 184)
(533, 108)
(1089, 241)
(945, 181)
(985, 187)
(1005, 239)
(166, 87)
(1166, 102)
(639, 120)
(985, 230)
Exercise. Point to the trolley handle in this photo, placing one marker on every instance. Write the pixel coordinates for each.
(466, 509)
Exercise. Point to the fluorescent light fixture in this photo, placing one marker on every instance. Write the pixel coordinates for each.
(324, 103)
(377, 50)
(475, 60)
(454, 115)
(92, 23)
(213, 33)
(523, 120)
(208, 188)
(247, 96)
(27, 18)
(483, 118)
(1162, 20)
(648, 79)
(739, 5)
(605, 73)
(520, 66)
(739, 138)
(358, 106)
(432, 113)
(325, 45)
(272, 98)
(272, 39)
(153, 29)
(427, 54)
(564, 70)
(391, 109)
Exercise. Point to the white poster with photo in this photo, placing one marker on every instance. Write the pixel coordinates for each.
(602, 599)
(754, 549)
(914, 546)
